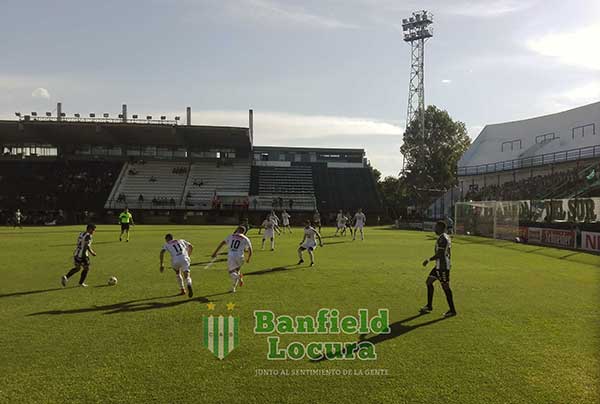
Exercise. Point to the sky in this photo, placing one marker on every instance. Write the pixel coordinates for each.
(322, 73)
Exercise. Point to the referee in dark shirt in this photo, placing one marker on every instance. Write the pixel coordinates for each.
(441, 272)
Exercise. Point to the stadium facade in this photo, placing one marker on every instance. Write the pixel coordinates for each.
(545, 157)
(536, 180)
(164, 169)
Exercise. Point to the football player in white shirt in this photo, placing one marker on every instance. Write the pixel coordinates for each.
(275, 219)
(285, 218)
(269, 226)
(180, 251)
(18, 218)
(341, 224)
(309, 243)
(237, 243)
(359, 221)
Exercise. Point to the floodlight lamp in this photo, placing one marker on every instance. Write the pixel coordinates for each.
(162, 118)
(134, 116)
(33, 113)
(92, 115)
(149, 117)
(105, 115)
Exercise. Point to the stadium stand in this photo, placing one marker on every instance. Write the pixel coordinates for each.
(277, 186)
(229, 180)
(539, 158)
(159, 183)
(163, 170)
(345, 188)
(44, 190)
(562, 184)
(546, 145)
(57, 184)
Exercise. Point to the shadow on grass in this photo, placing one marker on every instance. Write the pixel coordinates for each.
(129, 306)
(271, 270)
(581, 257)
(30, 292)
(337, 242)
(72, 244)
(397, 329)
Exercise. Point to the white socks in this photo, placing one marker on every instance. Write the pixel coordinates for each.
(235, 277)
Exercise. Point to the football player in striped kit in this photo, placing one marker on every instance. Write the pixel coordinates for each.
(441, 271)
(81, 256)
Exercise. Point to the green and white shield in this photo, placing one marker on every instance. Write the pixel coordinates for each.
(220, 334)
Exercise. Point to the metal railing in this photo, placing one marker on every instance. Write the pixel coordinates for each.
(534, 161)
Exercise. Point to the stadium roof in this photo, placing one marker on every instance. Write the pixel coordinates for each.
(108, 133)
(307, 149)
(568, 130)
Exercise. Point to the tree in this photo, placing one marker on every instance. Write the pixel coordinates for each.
(376, 174)
(393, 196)
(431, 163)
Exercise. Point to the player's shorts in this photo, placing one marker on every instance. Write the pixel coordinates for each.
(341, 225)
(181, 265)
(309, 245)
(359, 226)
(124, 226)
(81, 261)
(269, 233)
(442, 275)
(234, 262)
(286, 224)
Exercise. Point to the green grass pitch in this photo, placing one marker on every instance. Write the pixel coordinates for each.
(528, 329)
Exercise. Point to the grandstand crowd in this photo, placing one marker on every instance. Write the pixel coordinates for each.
(57, 185)
(554, 185)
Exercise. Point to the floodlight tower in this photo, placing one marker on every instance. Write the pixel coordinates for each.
(416, 31)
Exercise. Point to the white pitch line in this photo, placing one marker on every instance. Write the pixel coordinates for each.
(210, 263)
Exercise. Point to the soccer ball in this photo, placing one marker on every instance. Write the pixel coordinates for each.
(112, 281)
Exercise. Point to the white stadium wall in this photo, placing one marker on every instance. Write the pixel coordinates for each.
(537, 146)
(560, 132)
